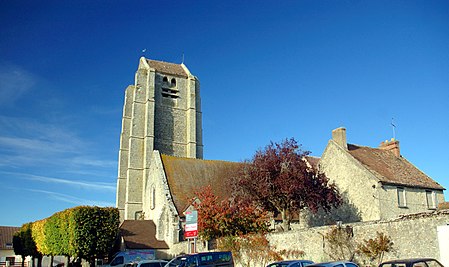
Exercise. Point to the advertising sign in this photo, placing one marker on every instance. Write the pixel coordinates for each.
(191, 228)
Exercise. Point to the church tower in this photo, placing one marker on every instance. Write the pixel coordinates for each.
(162, 111)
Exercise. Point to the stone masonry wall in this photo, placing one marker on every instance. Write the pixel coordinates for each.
(413, 236)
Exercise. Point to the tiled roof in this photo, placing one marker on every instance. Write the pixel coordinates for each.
(140, 234)
(6, 234)
(313, 161)
(391, 169)
(186, 176)
(168, 68)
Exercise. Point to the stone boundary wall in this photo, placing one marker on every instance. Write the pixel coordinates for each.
(414, 235)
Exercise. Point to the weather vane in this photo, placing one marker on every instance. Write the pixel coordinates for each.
(394, 128)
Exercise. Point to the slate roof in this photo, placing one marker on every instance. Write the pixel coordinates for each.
(390, 169)
(140, 234)
(186, 176)
(167, 68)
(6, 234)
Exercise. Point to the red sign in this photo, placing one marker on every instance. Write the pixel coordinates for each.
(191, 227)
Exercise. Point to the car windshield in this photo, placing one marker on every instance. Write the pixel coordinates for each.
(179, 261)
(427, 263)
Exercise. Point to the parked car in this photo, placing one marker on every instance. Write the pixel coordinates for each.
(416, 262)
(334, 264)
(127, 258)
(150, 263)
(203, 259)
(290, 263)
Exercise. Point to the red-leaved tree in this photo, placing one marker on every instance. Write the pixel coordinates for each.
(280, 181)
(229, 217)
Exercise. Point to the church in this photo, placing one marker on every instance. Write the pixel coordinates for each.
(161, 161)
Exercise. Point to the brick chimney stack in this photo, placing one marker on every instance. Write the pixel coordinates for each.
(392, 145)
(339, 137)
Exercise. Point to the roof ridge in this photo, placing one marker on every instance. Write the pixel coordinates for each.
(161, 61)
(206, 160)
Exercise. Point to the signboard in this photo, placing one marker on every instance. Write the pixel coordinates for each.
(191, 228)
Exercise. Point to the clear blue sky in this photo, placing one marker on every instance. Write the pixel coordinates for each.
(269, 70)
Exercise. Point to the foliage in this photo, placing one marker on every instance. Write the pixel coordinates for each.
(374, 249)
(24, 244)
(80, 232)
(227, 217)
(252, 249)
(38, 234)
(279, 180)
(96, 230)
(341, 245)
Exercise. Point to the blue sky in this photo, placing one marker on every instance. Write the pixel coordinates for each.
(269, 70)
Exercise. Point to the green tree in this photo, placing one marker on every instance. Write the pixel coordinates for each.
(279, 180)
(96, 230)
(24, 244)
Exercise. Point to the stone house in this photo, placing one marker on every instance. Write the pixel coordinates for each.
(378, 183)
(161, 165)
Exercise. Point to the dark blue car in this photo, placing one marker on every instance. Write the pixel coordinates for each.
(290, 263)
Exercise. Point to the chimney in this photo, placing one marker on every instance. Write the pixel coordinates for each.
(339, 137)
(392, 145)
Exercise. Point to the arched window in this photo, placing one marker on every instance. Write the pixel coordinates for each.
(173, 82)
(165, 79)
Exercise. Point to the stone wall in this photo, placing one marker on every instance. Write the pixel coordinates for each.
(353, 180)
(413, 236)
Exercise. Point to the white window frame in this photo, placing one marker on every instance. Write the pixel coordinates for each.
(433, 197)
(401, 194)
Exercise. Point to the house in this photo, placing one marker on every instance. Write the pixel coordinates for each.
(7, 255)
(379, 183)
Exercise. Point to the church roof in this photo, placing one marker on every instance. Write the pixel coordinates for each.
(390, 169)
(140, 234)
(167, 68)
(187, 175)
(6, 234)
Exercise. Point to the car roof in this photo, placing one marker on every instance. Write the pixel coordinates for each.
(330, 263)
(411, 260)
(149, 261)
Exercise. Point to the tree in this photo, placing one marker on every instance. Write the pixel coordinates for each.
(340, 243)
(279, 180)
(24, 244)
(374, 249)
(229, 217)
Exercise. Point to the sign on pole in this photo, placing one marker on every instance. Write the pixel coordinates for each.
(191, 228)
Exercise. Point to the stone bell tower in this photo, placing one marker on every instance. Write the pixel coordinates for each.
(162, 111)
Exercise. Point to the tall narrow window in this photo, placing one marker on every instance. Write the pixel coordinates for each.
(402, 203)
(431, 200)
(153, 197)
